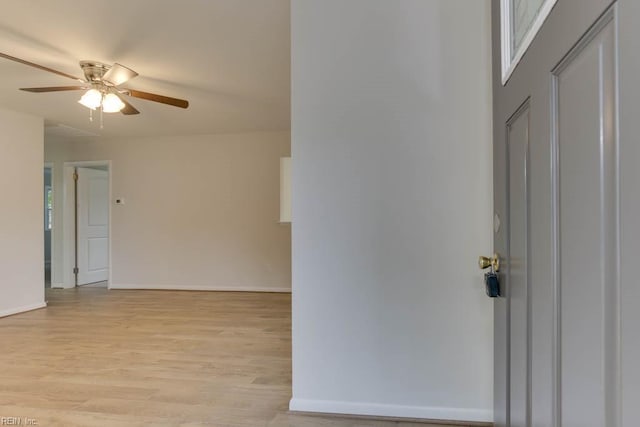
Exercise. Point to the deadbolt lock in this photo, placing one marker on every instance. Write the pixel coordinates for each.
(486, 262)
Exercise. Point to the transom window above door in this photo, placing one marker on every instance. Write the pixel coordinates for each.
(520, 22)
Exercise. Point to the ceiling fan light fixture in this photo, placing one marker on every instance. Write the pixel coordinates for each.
(111, 103)
(91, 99)
(102, 82)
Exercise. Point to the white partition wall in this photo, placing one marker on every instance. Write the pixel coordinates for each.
(21, 213)
(392, 178)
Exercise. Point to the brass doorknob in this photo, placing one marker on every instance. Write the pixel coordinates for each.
(486, 262)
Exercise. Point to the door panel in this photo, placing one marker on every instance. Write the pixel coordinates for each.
(518, 275)
(584, 86)
(555, 190)
(98, 193)
(97, 253)
(93, 225)
(629, 203)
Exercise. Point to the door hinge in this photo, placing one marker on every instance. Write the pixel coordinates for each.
(75, 270)
(75, 176)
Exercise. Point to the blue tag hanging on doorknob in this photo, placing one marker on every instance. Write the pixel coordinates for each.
(492, 284)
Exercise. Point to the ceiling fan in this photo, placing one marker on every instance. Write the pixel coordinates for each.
(102, 84)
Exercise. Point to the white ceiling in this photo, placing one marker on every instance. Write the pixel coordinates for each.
(229, 58)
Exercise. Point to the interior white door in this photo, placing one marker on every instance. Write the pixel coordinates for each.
(556, 175)
(93, 225)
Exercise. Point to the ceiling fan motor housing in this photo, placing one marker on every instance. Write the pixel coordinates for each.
(94, 71)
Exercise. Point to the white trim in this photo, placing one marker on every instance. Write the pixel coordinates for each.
(22, 309)
(57, 285)
(169, 287)
(397, 411)
(508, 64)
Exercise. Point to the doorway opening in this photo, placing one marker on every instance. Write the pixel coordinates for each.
(87, 224)
(48, 223)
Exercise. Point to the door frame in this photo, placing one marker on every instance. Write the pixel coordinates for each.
(68, 237)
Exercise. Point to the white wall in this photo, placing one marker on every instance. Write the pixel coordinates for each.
(200, 212)
(392, 178)
(21, 217)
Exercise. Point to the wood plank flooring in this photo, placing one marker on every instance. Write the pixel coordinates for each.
(154, 358)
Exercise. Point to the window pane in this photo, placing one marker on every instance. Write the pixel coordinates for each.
(523, 14)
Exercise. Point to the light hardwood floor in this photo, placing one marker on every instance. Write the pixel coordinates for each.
(153, 358)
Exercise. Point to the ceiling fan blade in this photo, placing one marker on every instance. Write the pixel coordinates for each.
(40, 67)
(52, 89)
(157, 98)
(128, 108)
(118, 74)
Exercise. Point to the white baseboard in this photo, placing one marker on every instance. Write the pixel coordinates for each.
(395, 411)
(199, 288)
(16, 310)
